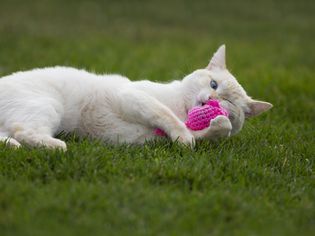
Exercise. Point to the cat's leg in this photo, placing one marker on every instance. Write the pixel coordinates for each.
(36, 123)
(139, 107)
(36, 137)
(220, 127)
(11, 142)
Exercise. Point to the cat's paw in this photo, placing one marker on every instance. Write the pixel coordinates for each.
(54, 143)
(188, 140)
(221, 126)
(39, 140)
(182, 135)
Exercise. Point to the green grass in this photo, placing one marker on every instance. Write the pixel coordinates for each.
(260, 182)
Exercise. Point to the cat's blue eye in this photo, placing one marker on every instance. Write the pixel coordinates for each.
(214, 84)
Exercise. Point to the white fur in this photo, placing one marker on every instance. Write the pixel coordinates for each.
(38, 104)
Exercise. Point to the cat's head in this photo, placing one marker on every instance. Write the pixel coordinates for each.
(215, 81)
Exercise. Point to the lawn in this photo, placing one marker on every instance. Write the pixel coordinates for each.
(260, 182)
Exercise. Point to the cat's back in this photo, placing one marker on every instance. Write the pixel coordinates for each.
(59, 77)
(56, 73)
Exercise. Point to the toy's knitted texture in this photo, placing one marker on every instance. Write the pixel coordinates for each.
(199, 117)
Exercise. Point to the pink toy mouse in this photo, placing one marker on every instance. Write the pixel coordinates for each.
(199, 117)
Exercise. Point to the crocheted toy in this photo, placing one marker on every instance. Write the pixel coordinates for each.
(199, 117)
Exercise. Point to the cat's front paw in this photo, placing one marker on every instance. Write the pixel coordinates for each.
(220, 127)
(182, 135)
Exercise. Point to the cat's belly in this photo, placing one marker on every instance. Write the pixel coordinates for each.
(105, 124)
(117, 132)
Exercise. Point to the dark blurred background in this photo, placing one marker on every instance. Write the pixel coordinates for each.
(270, 44)
(182, 33)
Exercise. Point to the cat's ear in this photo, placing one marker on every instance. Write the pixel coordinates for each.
(218, 59)
(257, 107)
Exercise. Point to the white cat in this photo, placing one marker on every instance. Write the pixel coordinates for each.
(38, 104)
